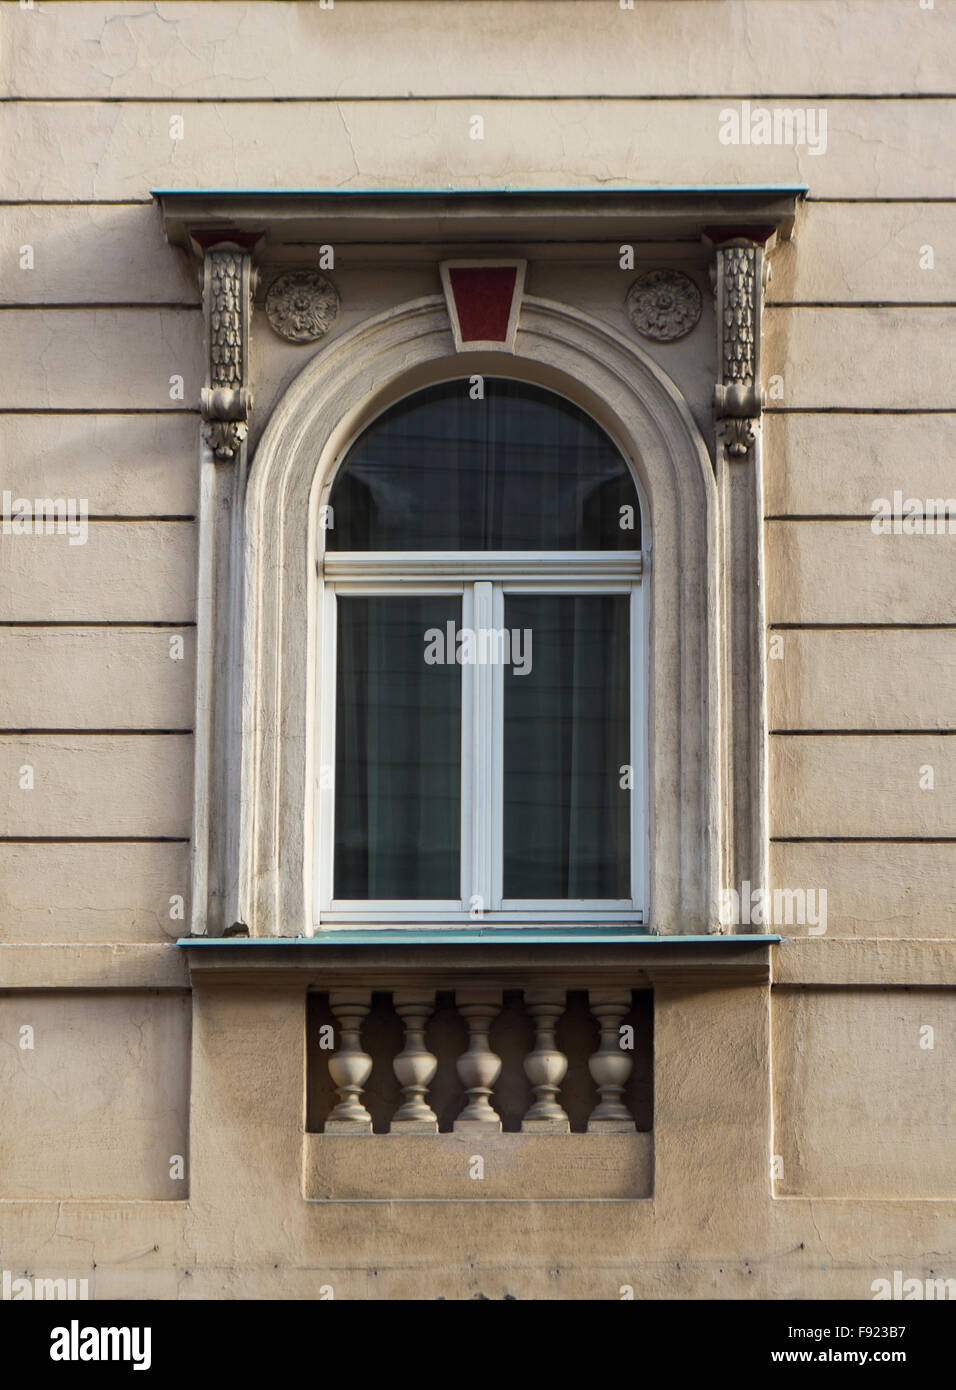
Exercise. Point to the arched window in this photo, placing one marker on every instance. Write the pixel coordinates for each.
(483, 733)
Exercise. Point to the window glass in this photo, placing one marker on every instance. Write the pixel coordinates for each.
(566, 740)
(398, 751)
(520, 469)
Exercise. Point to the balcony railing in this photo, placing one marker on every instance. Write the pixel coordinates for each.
(480, 1060)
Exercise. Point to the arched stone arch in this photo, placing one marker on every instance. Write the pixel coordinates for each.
(267, 764)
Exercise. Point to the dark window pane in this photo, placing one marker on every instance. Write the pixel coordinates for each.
(566, 737)
(522, 469)
(397, 752)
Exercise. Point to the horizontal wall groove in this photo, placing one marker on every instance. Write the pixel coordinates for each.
(863, 839)
(75, 202)
(99, 410)
(868, 517)
(900, 198)
(863, 627)
(87, 305)
(93, 733)
(858, 733)
(859, 410)
(857, 304)
(96, 622)
(94, 840)
(112, 517)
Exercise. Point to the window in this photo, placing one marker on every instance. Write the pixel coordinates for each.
(481, 687)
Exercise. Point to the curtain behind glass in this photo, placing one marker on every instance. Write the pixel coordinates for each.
(522, 469)
(566, 738)
(398, 752)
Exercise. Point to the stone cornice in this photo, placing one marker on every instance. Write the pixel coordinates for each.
(474, 216)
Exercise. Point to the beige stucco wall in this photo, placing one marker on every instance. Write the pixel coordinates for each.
(826, 1072)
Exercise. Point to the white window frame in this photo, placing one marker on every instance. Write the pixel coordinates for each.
(482, 579)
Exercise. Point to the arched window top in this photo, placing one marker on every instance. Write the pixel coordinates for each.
(521, 468)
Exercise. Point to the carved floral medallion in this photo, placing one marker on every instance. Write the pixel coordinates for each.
(663, 305)
(302, 305)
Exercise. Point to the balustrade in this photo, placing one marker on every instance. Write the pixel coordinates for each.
(414, 1066)
(544, 1068)
(479, 1067)
(350, 1067)
(611, 1065)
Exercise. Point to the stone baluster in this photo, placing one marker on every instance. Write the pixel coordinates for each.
(479, 1067)
(546, 1066)
(350, 1067)
(414, 1066)
(611, 1065)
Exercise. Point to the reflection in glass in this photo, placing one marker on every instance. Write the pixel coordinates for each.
(566, 739)
(397, 752)
(522, 469)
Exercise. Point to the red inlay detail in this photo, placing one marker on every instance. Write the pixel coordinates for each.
(718, 235)
(207, 238)
(483, 297)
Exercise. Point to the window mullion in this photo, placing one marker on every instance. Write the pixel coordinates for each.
(482, 891)
(496, 757)
(468, 758)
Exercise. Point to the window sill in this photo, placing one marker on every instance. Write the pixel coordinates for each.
(573, 957)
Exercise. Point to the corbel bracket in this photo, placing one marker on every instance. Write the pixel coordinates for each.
(228, 282)
(738, 276)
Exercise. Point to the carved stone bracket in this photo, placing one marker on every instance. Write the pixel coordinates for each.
(738, 284)
(228, 282)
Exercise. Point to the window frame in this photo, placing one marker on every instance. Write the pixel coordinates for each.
(482, 579)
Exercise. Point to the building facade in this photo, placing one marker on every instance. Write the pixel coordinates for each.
(478, 808)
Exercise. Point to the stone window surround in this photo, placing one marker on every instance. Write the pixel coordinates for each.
(260, 541)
